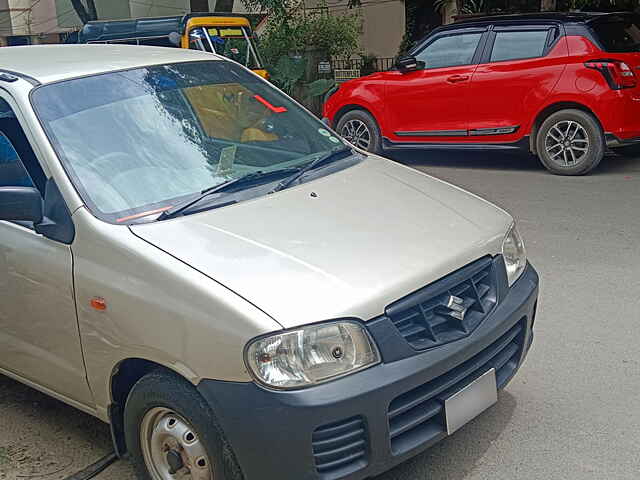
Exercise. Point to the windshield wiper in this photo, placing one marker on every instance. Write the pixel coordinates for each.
(221, 187)
(178, 209)
(331, 156)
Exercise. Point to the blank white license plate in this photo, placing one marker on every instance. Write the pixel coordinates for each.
(471, 401)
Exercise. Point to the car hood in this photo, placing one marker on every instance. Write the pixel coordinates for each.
(343, 245)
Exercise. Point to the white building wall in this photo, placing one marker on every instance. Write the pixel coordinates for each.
(20, 16)
(107, 10)
(44, 18)
(5, 18)
(383, 28)
(152, 8)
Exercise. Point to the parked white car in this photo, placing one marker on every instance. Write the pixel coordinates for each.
(190, 256)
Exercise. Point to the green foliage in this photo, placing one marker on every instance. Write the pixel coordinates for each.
(4, 455)
(334, 34)
(369, 64)
(281, 39)
(405, 44)
(441, 5)
(411, 9)
(321, 86)
(272, 7)
(298, 31)
(602, 5)
(473, 6)
(293, 31)
(288, 72)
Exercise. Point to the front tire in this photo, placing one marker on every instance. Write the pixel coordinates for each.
(570, 142)
(171, 432)
(361, 129)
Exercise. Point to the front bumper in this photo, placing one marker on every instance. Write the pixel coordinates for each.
(364, 424)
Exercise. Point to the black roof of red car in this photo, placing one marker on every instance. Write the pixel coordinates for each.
(564, 17)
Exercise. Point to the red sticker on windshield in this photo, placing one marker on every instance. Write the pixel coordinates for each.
(143, 214)
(269, 106)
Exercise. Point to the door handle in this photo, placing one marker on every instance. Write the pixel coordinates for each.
(457, 78)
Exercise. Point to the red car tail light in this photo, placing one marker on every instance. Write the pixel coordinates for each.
(618, 74)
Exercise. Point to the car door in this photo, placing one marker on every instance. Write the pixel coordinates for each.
(39, 336)
(518, 71)
(432, 104)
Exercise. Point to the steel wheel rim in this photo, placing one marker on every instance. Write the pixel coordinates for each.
(357, 132)
(567, 143)
(171, 447)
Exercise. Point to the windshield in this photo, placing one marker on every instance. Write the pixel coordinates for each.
(145, 139)
(622, 35)
(235, 43)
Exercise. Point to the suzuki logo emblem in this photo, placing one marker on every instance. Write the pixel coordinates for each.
(456, 305)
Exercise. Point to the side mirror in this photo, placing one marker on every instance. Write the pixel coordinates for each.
(20, 204)
(408, 63)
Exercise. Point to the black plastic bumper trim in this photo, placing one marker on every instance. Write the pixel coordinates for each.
(271, 431)
(433, 133)
(613, 141)
(522, 144)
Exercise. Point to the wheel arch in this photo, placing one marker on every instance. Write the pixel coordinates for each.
(124, 376)
(551, 109)
(342, 111)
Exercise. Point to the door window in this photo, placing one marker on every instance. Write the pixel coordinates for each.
(450, 51)
(12, 171)
(19, 166)
(511, 45)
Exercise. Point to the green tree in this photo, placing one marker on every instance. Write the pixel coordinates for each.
(296, 37)
(292, 27)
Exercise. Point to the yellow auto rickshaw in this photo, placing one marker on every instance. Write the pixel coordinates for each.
(226, 34)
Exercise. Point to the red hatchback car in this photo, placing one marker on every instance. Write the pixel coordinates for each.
(561, 85)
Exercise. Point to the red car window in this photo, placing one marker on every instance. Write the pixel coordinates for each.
(450, 51)
(517, 45)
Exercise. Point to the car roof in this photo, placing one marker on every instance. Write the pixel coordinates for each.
(563, 17)
(51, 63)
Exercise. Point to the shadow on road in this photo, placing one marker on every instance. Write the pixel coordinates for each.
(502, 160)
(41, 437)
(489, 160)
(456, 456)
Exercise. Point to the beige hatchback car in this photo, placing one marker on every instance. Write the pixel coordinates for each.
(190, 256)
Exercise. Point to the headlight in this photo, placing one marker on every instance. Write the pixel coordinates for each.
(311, 355)
(514, 254)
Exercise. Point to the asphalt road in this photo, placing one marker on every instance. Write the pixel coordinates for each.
(573, 412)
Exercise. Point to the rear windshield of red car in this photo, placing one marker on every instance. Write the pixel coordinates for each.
(619, 35)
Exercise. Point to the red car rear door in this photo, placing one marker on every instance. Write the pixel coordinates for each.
(519, 69)
(431, 105)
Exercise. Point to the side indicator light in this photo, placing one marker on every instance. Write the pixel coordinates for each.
(98, 303)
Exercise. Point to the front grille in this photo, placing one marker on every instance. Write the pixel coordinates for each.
(417, 416)
(448, 309)
(340, 448)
